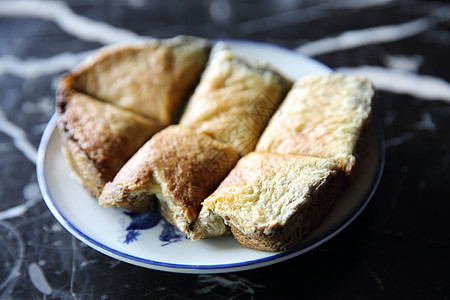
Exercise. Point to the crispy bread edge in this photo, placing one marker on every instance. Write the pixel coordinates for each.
(307, 217)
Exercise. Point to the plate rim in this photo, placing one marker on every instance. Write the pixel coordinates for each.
(209, 268)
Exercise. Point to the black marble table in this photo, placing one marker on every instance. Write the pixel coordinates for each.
(398, 248)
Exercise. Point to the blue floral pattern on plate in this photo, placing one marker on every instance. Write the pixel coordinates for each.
(148, 220)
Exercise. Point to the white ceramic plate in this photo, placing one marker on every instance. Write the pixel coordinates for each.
(147, 240)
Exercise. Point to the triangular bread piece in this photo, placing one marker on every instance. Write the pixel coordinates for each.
(221, 122)
(150, 77)
(271, 201)
(235, 99)
(115, 100)
(97, 137)
(323, 116)
(177, 165)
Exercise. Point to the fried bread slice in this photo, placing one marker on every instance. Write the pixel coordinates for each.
(98, 138)
(235, 99)
(150, 77)
(322, 116)
(321, 119)
(221, 119)
(271, 201)
(115, 100)
(179, 166)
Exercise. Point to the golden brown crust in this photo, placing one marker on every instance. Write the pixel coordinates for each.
(307, 218)
(183, 165)
(177, 165)
(97, 137)
(276, 196)
(234, 100)
(271, 201)
(322, 116)
(148, 77)
(117, 99)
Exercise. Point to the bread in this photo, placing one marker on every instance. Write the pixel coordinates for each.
(271, 201)
(113, 102)
(322, 116)
(184, 163)
(279, 193)
(177, 165)
(147, 77)
(225, 167)
(97, 137)
(235, 99)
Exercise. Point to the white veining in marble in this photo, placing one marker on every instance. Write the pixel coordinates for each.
(17, 250)
(19, 137)
(375, 35)
(136, 3)
(43, 105)
(356, 3)
(74, 269)
(398, 140)
(60, 13)
(280, 20)
(405, 63)
(297, 16)
(440, 36)
(36, 67)
(220, 10)
(363, 37)
(238, 286)
(402, 82)
(426, 123)
(5, 147)
(32, 196)
(38, 279)
(375, 277)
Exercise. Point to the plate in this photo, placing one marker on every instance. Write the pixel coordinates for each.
(147, 240)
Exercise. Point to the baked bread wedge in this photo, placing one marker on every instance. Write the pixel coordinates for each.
(323, 116)
(271, 201)
(184, 163)
(115, 100)
(320, 121)
(177, 165)
(235, 99)
(97, 137)
(150, 78)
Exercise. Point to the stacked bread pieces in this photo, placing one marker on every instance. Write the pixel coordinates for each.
(279, 193)
(119, 97)
(222, 167)
(235, 99)
(183, 164)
